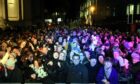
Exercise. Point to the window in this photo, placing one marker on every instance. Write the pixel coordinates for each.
(127, 10)
(138, 9)
(2, 9)
(13, 10)
(130, 9)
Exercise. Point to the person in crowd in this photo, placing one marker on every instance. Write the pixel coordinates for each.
(56, 49)
(93, 43)
(77, 72)
(75, 49)
(107, 74)
(3, 49)
(3, 70)
(62, 70)
(53, 67)
(136, 67)
(39, 71)
(14, 74)
(93, 69)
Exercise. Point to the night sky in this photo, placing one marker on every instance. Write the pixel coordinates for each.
(70, 7)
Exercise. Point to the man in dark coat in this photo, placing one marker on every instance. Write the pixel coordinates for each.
(77, 73)
(93, 69)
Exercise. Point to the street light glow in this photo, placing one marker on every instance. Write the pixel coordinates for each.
(92, 9)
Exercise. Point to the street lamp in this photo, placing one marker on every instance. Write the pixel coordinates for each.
(91, 10)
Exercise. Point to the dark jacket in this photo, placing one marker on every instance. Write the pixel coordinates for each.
(77, 74)
(92, 72)
(136, 72)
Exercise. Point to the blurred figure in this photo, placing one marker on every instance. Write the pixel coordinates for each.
(107, 74)
(77, 73)
(136, 67)
(3, 49)
(93, 69)
(39, 72)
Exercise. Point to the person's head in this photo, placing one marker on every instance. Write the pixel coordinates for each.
(60, 39)
(135, 57)
(107, 63)
(4, 46)
(30, 56)
(49, 40)
(68, 37)
(76, 59)
(74, 33)
(107, 46)
(98, 50)
(138, 47)
(42, 37)
(101, 59)
(103, 47)
(37, 62)
(59, 48)
(79, 33)
(16, 51)
(92, 37)
(34, 40)
(74, 43)
(116, 53)
(112, 38)
(116, 44)
(87, 54)
(130, 44)
(55, 55)
(23, 44)
(62, 56)
(132, 38)
(93, 62)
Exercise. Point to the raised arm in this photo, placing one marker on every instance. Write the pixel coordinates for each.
(6, 56)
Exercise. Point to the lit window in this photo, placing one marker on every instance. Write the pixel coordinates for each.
(127, 10)
(13, 10)
(138, 9)
(131, 9)
(48, 20)
(2, 9)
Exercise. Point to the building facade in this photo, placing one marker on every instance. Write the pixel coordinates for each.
(133, 12)
(85, 12)
(20, 12)
(111, 11)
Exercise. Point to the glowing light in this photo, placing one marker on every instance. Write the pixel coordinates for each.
(92, 9)
(11, 1)
(138, 9)
(48, 20)
(131, 9)
(59, 19)
(13, 10)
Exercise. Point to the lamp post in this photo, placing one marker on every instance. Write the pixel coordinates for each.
(91, 10)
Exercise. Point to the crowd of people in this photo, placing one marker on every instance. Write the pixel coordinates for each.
(63, 55)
